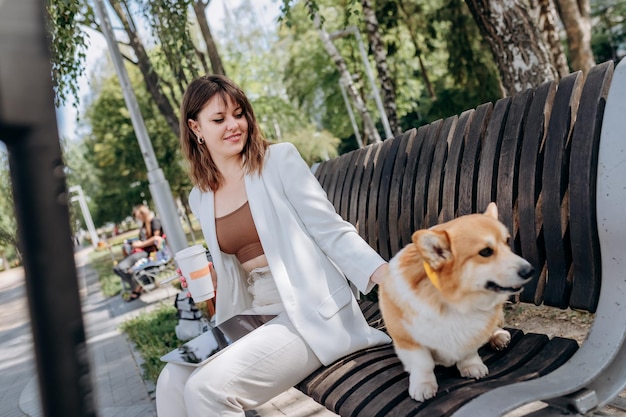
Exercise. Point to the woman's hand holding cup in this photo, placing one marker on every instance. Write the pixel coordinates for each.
(195, 272)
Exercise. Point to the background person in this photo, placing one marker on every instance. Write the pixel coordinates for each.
(278, 246)
(150, 232)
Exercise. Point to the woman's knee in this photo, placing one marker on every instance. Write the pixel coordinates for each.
(202, 388)
(201, 381)
(172, 377)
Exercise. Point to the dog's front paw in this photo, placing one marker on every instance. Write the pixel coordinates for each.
(421, 390)
(474, 370)
(500, 339)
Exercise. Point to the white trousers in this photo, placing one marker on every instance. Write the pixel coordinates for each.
(250, 372)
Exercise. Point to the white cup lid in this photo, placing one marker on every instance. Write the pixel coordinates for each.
(189, 252)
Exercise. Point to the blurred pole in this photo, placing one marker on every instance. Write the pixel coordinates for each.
(28, 127)
(159, 187)
(84, 208)
(355, 127)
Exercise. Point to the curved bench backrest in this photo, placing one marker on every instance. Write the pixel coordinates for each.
(534, 154)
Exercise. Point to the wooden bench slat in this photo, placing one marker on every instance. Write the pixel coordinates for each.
(353, 206)
(395, 193)
(373, 225)
(364, 401)
(531, 163)
(321, 171)
(414, 149)
(344, 186)
(384, 195)
(583, 172)
(508, 164)
(335, 180)
(453, 166)
(422, 177)
(333, 378)
(557, 287)
(357, 390)
(364, 192)
(471, 155)
(490, 148)
(437, 171)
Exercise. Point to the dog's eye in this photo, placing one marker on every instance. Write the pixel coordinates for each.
(487, 252)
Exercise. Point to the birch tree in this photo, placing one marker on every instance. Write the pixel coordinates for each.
(380, 58)
(371, 133)
(546, 17)
(517, 46)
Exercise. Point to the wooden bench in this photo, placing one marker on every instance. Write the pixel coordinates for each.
(554, 160)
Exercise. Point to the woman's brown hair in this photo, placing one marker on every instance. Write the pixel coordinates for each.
(204, 173)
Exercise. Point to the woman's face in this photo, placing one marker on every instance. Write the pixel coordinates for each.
(223, 126)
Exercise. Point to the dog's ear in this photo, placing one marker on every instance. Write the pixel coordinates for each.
(433, 246)
(492, 210)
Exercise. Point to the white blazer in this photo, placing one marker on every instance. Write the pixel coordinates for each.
(310, 250)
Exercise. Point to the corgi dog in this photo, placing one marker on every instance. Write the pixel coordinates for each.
(443, 297)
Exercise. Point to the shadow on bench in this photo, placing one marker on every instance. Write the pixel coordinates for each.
(554, 160)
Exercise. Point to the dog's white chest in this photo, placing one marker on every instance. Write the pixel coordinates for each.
(450, 337)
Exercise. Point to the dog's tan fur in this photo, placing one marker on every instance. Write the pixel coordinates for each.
(476, 271)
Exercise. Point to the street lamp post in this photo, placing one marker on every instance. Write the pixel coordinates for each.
(159, 187)
(86, 213)
(357, 134)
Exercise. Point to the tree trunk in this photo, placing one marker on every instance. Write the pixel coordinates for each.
(368, 124)
(546, 21)
(575, 17)
(380, 57)
(517, 46)
(150, 76)
(199, 8)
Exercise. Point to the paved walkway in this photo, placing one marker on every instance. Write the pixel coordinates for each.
(115, 366)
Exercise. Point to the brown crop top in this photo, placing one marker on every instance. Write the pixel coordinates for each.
(237, 235)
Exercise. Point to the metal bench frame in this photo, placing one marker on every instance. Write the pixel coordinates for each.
(154, 271)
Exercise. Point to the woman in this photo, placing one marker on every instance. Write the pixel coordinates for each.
(150, 233)
(278, 247)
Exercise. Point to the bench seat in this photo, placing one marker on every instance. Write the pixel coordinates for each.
(373, 383)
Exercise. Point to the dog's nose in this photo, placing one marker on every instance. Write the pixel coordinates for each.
(526, 271)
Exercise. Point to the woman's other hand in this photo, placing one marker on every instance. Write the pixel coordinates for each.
(183, 280)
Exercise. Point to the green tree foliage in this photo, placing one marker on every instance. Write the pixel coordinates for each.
(435, 53)
(472, 76)
(114, 155)
(260, 74)
(608, 29)
(8, 224)
(69, 44)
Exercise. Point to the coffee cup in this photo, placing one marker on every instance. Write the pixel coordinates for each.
(194, 266)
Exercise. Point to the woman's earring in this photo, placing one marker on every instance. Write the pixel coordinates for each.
(200, 140)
